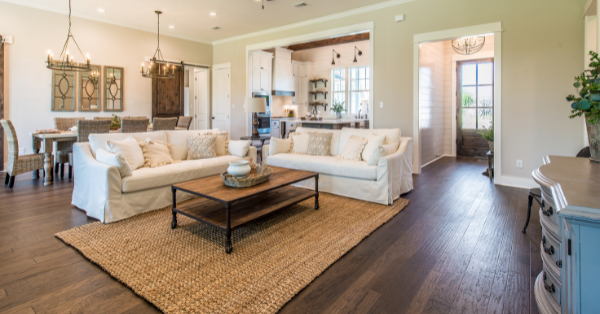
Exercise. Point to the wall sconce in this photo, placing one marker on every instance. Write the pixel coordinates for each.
(359, 53)
(333, 55)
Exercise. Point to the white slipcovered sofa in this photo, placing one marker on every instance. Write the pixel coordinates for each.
(100, 191)
(381, 184)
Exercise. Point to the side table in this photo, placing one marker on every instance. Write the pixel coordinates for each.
(261, 138)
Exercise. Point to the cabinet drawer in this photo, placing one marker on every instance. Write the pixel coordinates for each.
(549, 225)
(552, 285)
(275, 124)
(549, 206)
(550, 251)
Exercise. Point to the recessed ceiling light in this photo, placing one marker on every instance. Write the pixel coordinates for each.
(101, 10)
(171, 26)
(213, 13)
(215, 27)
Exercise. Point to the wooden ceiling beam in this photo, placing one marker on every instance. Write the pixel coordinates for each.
(330, 42)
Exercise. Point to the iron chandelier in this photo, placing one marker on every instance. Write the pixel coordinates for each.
(157, 68)
(65, 62)
(468, 45)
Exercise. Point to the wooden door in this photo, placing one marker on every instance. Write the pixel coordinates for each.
(168, 96)
(475, 105)
(220, 99)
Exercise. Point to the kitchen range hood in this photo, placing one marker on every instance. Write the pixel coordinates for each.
(283, 77)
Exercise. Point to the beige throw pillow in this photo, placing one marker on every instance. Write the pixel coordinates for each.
(156, 154)
(201, 146)
(128, 149)
(380, 152)
(222, 141)
(239, 148)
(319, 144)
(354, 148)
(114, 160)
(279, 146)
(374, 141)
(299, 143)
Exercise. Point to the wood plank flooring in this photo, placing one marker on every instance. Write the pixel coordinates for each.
(456, 248)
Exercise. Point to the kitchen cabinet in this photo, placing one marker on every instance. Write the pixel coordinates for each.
(301, 73)
(260, 71)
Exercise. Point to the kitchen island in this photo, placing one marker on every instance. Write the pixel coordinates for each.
(333, 124)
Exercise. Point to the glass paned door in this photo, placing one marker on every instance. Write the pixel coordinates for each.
(475, 102)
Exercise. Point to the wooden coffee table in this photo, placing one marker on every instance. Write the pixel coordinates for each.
(228, 208)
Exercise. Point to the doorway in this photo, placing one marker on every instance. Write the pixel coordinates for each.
(475, 105)
(221, 101)
(199, 107)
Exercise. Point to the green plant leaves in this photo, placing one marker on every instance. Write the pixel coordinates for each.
(577, 85)
(583, 104)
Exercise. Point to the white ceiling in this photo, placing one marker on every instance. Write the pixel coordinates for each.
(191, 19)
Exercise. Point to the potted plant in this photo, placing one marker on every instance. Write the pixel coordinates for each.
(338, 108)
(488, 135)
(115, 123)
(586, 102)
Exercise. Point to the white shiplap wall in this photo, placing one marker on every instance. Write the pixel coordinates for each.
(321, 59)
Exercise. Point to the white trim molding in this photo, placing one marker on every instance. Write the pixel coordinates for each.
(367, 26)
(326, 18)
(221, 66)
(481, 29)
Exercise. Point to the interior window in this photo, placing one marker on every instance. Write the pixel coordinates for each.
(359, 89)
(338, 78)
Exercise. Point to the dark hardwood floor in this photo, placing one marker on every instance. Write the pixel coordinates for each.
(456, 248)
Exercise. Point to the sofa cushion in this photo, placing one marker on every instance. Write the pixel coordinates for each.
(179, 142)
(201, 146)
(335, 137)
(392, 136)
(149, 178)
(99, 140)
(130, 149)
(326, 165)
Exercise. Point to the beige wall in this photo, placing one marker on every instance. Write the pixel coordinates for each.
(27, 81)
(542, 45)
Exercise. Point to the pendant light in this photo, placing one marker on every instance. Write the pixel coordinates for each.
(359, 53)
(333, 55)
(468, 45)
(157, 67)
(65, 61)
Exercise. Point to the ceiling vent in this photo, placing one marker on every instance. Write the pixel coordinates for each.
(215, 27)
(301, 4)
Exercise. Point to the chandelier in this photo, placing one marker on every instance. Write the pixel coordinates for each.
(155, 70)
(65, 61)
(468, 45)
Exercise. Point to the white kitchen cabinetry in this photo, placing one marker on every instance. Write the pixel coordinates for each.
(302, 72)
(261, 69)
(570, 219)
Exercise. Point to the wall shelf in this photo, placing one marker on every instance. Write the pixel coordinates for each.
(319, 80)
(324, 104)
(317, 92)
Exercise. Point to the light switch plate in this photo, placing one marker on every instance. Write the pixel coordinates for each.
(519, 164)
(381, 104)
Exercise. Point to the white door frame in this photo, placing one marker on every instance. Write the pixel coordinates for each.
(491, 28)
(205, 96)
(218, 67)
(367, 26)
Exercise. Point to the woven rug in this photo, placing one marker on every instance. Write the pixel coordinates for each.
(186, 270)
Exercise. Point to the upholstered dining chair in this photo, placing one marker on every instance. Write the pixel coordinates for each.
(84, 129)
(134, 125)
(160, 124)
(61, 153)
(184, 122)
(19, 164)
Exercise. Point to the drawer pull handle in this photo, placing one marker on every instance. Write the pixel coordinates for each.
(549, 288)
(549, 251)
(547, 213)
(559, 264)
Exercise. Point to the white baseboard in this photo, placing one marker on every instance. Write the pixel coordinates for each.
(516, 182)
(423, 166)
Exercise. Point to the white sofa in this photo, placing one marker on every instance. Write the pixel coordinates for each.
(100, 191)
(381, 184)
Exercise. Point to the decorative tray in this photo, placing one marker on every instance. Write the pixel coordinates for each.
(256, 176)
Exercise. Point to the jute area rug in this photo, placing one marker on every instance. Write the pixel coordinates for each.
(186, 270)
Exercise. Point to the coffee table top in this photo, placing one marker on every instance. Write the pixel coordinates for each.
(213, 187)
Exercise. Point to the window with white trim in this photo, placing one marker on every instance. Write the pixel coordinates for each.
(338, 87)
(351, 86)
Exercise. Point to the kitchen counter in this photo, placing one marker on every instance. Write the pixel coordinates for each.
(329, 121)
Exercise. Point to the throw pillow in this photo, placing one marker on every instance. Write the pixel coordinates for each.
(319, 144)
(239, 148)
(201, 146)
(279, 146)
(373, 143)
(354, 148)
(299, 143)
(129, 149)
(114, 160)
(380, 152)
(222, 141)
(156, 153)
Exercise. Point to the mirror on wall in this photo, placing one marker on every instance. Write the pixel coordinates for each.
(63, 91)
(89, 90)
(113, 88)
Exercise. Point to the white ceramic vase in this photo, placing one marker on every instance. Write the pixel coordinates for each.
(239, 168)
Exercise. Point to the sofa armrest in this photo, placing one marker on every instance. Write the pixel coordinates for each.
(94, 181)
(252, 153)
(265, 154)
(399, 168)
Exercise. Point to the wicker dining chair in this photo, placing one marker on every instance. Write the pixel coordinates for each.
(160, 124)
(19, 164)
(84, 129)
(133, 125)
(61, 155)
(184, 122)
(103, 118)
